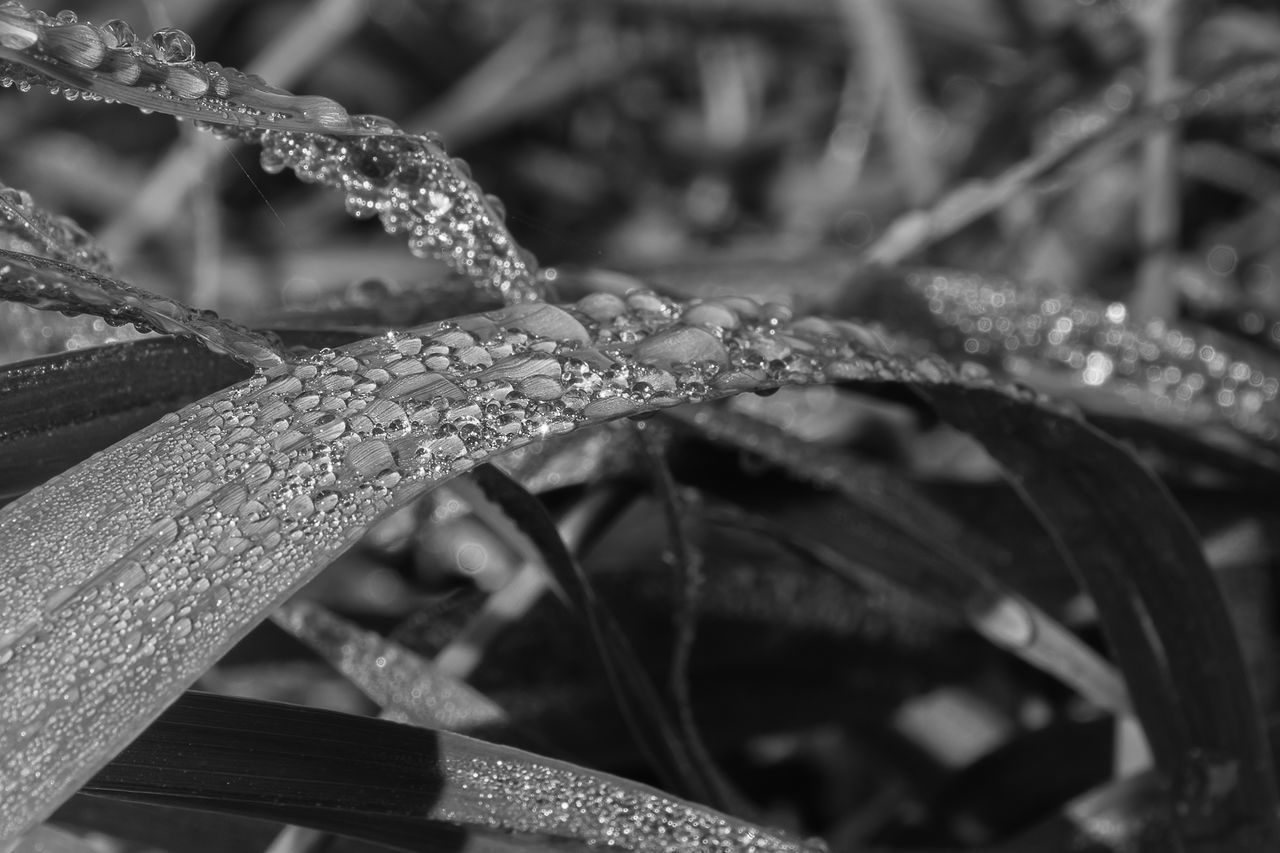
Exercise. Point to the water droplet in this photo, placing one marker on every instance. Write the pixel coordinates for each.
(172, 46)
(182, 627)
(160, 612)
(118, 34)
(219, 595)
(1008, 622)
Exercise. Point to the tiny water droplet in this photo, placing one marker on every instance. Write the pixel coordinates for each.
(219, 595)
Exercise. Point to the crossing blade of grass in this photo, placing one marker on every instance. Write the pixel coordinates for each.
(1159, 606)
(399, 785)
(408, 688)
(659, 736)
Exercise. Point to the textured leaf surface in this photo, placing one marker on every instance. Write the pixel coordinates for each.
(198, 525)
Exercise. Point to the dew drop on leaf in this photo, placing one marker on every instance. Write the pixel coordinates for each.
(172, 46)
(118, 34)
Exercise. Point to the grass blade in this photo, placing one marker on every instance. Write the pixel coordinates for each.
(407, 687)
(1158, 604)
(57, 286)
(398, 784)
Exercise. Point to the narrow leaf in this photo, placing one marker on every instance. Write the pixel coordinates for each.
(1158, 603)
(400, 784)
(407, 687)
(407, 180)
(58, 286)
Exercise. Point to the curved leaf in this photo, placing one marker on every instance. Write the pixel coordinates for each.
(198, 525)
(407, 180)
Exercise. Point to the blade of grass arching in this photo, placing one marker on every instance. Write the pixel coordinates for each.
(407, 180)
(309, 37)
(1159, 606)
(398, 784)
(54, 285)
(199, 525)
(408, 688)
(923, 551)
(659, 737)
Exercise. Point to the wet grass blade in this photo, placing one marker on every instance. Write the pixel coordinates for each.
(61, 409)
(295, 475)
(407, 687)
(397, 784)
(59, 286)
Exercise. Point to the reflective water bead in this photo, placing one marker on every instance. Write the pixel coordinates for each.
(172, 46)
(118, 34)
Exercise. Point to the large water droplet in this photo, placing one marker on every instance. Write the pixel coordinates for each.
(16, 31)
(118, 34)
(172, 46)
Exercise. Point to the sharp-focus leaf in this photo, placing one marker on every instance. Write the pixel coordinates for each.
(198, 525)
